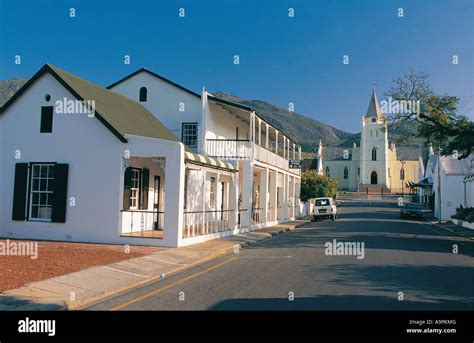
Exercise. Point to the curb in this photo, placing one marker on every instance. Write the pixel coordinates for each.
(56, 304)
(447, 229)
(214, 255)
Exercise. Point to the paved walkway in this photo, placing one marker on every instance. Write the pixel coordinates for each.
(76, 290)
(453, 228)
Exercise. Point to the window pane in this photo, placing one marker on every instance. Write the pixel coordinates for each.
(34, 212)
(42, 184)
(36, 169)
(44, 170)
(35, 185)
(43, 199)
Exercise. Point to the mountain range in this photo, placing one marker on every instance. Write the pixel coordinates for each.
(304, 130)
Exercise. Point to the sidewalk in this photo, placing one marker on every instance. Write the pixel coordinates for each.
(453, 228)
(76, 290)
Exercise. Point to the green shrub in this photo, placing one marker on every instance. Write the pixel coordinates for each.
(315, 186)
(464, 213)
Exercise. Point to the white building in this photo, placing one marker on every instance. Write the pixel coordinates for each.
(267, 189)
(104, 168)
(455, 187)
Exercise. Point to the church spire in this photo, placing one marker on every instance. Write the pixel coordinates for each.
(374, 107)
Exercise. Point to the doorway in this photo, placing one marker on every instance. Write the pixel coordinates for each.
(373, 178)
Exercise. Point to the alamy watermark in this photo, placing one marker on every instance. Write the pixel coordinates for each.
(336, 248)
(392, 106)
(69, 106)
(19, 248)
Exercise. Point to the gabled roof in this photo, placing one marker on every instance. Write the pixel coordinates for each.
(454, 166)
(374, 107)
(121, 115)
(145, 70)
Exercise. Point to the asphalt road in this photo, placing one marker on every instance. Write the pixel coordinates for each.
(403, 259)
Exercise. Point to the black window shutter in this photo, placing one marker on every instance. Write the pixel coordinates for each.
(127, 184)
(46, 119)
(61, 172)
(20, 191)
(144, 189)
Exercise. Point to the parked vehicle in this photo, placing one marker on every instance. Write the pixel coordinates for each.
(324, 208)
(412, 209)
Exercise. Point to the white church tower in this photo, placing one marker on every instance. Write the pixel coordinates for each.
(374, 146)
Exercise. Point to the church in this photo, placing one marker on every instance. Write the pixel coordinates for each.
(376, 165)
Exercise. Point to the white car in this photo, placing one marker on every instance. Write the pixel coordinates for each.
(324, 208)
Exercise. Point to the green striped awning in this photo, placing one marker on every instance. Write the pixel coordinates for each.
(469, 178)
(208, 162)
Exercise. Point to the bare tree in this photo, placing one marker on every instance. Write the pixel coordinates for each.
(436, 119)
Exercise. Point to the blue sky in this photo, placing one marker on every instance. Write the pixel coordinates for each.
(282, 59)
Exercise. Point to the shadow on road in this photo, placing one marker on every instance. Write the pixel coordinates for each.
(375, 235)
(335, 302)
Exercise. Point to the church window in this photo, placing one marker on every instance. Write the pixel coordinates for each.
(327, 171)
(374, 154)
(371, 134)
(346, 173)
(402, 174)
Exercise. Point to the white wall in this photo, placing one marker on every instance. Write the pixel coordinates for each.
(221, 124)
(94, 156)
(164, 101)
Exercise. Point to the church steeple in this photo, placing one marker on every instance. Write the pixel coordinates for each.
(374, 107)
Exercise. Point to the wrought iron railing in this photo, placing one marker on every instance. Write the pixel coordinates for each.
(258, 215)
(142, 223)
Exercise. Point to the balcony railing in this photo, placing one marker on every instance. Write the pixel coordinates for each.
(229, 148)
(242, 149)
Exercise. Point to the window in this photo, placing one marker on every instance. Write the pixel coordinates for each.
(135, 188)
(346, 173)
(189, 134)
(46, 119)
(371, 134)
(143, 94)
(212, 192)
(42, 179)
(327, 171)
(402, 174)
(374, 154)
(40, 192)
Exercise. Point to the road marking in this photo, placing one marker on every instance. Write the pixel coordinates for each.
(157, 259)
(162, 289)
(252, 257)
(123, 271)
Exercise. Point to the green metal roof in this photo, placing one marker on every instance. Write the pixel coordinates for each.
(119, 114)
